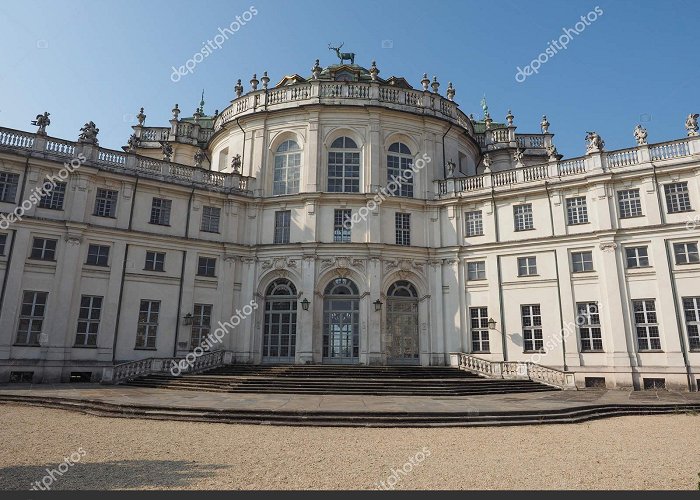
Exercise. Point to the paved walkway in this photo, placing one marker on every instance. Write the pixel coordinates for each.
(179, 399)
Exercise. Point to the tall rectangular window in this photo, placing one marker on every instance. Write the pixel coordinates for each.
(691, 308)
(341, 225)
(43, 249)
(636, 257)
(160, 211)
(147, 329)
(206, 266)
(474, 224)
(588, 321)
(106, 203)
(201, 324)
(8, 187)
(476, 270)
(527, 266)
(686, 253)
(647, 325)
(155, 261)
(630, 203)
(522, 215)
(532, 327)
(54, 199)
(283, 221)
(677, 197)
(98, 255)
(576, 210)
(31, 317)
(3, 243)
(88, 320)
(210, 219)
(479, 321)
(402, 224)
(581, 262)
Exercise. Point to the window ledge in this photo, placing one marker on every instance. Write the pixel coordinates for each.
(145, 348)
(85, 347)
(656, 351)
(26, 345)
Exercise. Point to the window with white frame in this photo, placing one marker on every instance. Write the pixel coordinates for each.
(344, 166)
(677, 197)
(476, 270)
(155, 261)
(211, 217)
(646, 324)
(206, 266)
(3, 243)
(342, 224)
(629, 203)
(287, 168)
(522, 215)
(106, 202)
(636, 257)
(98, 255)
(479, 321)
(691, 308)
(283, 221)
(147, 329)
(402, 223)
(588, 321)
(43, 249)
(582, 262)
(31, 318)
(201, 324)
(399, 161)
(576, 210)
(8, 186)
(474, 224)
(527, 266)
(160, 211)
(88, 320)
(532, 327)
(54, 198)
(686, 253)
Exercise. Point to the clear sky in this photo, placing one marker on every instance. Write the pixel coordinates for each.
(101, 61)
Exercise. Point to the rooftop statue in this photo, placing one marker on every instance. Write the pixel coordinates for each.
(691, 124)
(42, 121)
(595, 143)
(343, 56)
(88, 134)
(640, 134)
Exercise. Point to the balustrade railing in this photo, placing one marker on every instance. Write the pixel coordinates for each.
(516, 370)
(666, 151)
(123, 372)
(16, 139)
(622, 158)
(505, 178)
(155, 134)
(60, 148)
(530, 141)
(500, 135)
(536, 173)
(571, 167)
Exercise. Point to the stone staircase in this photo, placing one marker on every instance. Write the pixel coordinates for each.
(340, 379)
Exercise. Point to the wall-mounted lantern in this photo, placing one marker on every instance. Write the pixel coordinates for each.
(305, 304)
(377, 305)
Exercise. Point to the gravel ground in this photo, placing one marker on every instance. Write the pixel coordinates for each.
(642, 452)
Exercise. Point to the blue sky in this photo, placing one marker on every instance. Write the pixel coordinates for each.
(101, 61)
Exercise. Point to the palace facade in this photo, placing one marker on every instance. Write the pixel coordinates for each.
(341, 217)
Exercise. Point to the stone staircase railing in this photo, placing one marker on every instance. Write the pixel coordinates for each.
(513, 370)
(122, 372)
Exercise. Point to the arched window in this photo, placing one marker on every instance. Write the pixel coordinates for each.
(280, 329)
(286, 173)
(402, 289)
(344, 166)
(341, 322)
(398, 162)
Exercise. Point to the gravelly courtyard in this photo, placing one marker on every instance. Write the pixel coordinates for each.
(620, 453)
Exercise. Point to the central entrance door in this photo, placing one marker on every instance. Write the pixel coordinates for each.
(280, 334)
(341, 315)
(401, 340)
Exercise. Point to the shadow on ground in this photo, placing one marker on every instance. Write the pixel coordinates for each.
(125, 474)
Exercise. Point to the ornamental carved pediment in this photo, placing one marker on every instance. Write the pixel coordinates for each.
(278, 263)
(343, 264)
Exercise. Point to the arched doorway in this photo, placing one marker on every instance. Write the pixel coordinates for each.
(401, 340)
(341, 319)
(280, 331)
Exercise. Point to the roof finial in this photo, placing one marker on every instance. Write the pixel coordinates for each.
(484, 106)
(201, 103)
